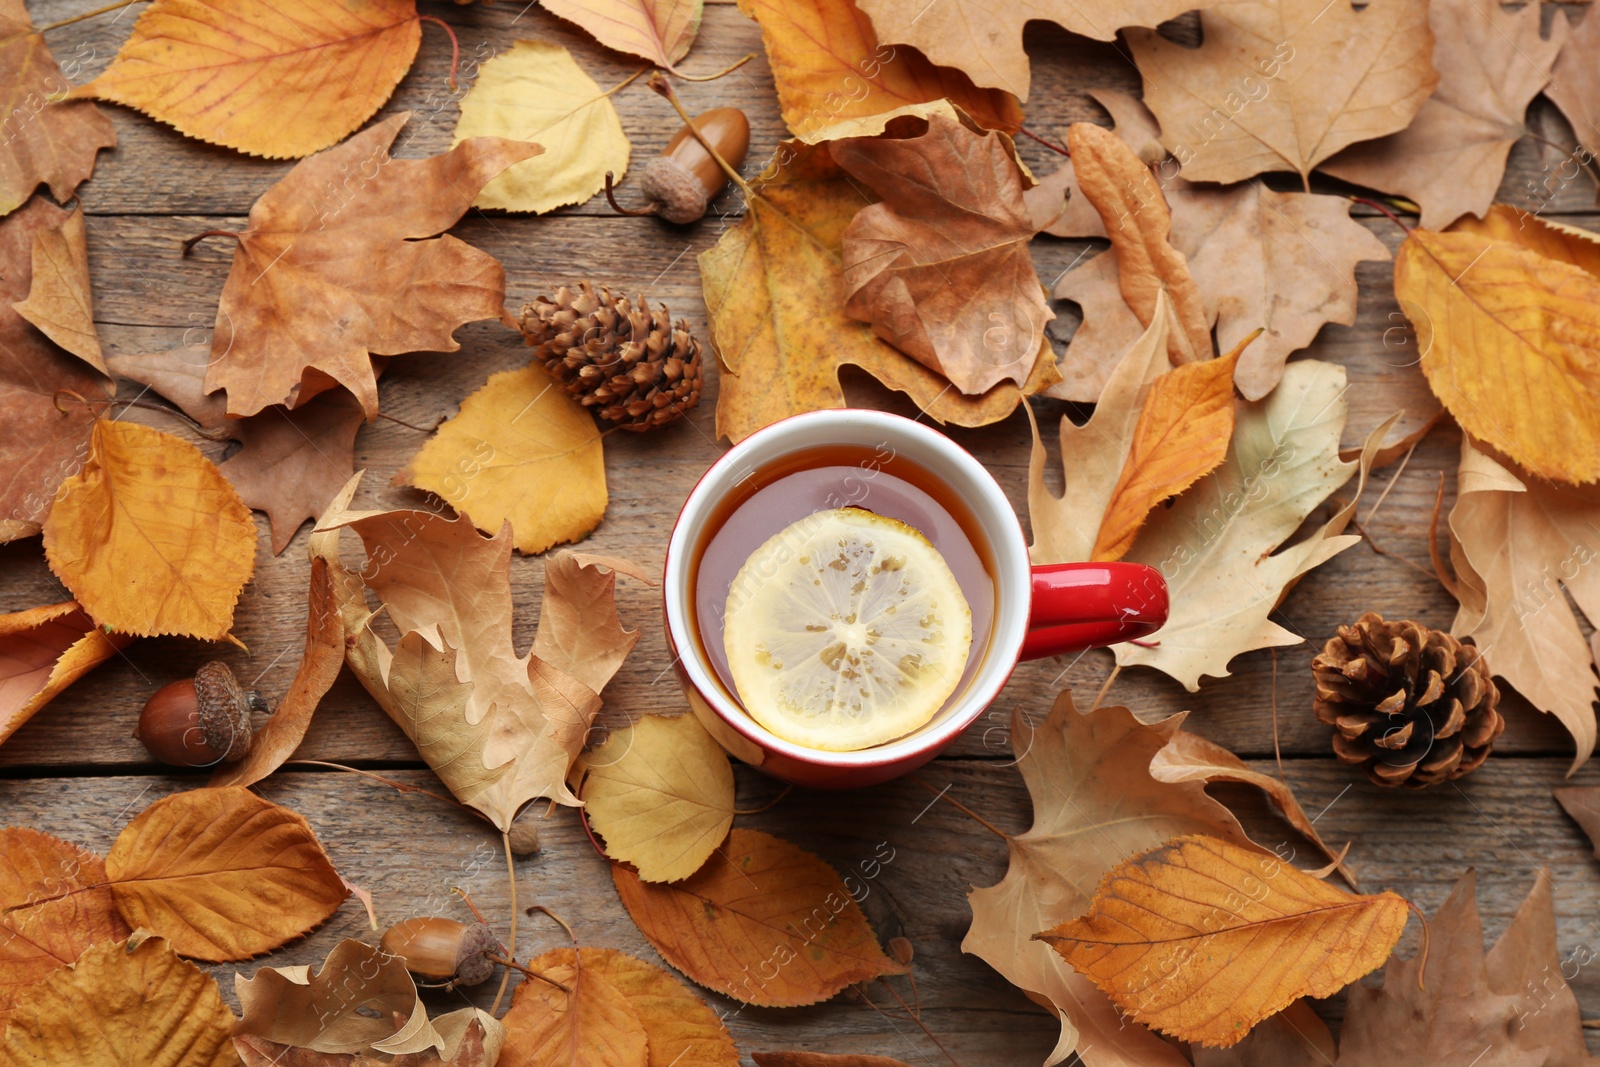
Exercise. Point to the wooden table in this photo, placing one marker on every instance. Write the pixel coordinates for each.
(75, 770)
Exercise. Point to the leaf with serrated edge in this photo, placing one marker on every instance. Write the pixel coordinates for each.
(588, 1023)
(658, 30)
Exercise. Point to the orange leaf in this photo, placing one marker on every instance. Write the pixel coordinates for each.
(54, 904)
(42, 651)
(823, 1059)
(274, 78)
(765, 922)
(58, 292)
(150, 537)
(658, 30)
(222, 873)
(1202, 938)
(589, 1024)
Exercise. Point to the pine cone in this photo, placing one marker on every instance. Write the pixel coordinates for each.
(627, 364)
(1414, 705)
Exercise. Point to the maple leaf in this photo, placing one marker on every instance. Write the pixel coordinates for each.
(322, 281)
(274, 78)
(829, 67)
(1575, 82)
(658, 30)
(178, 374)
(579, 630)
(1492, 62)
(1284, 84)
(42, 651)
(535, 91)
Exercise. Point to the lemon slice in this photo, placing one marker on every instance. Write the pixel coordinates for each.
(845, 630)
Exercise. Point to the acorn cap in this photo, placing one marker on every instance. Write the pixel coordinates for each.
(473, 960)
(224, 710)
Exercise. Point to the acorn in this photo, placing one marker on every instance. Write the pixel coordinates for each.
(442, 952)
(199, 721)
(682, 181)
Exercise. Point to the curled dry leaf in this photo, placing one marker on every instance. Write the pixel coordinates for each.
(54, 904)
(661, 794)
(521, 451)
(940, 267)
(765, 923)
(1202, 938)
(274, 78)
(310, 266)
(535, 91)
(222, 874)
(658, 30)
(59, 302)
(150, 537)
(42, 651)
(123, 1002)
(816, 46)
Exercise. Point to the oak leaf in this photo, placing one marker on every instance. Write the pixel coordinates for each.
(762, 905)
(150, 537)
(661, 794)
(1095, 803)
(535, 91)
(1575, 84)
(1492, 62)
(940, 266)
(123, 1002)
(829, 67)
(658, 30)
(274, 78)
(1202, 939)
(54, 904)
(521, 451)
(322, 281)
(222, 874)
(42, 651)
(1284, 84)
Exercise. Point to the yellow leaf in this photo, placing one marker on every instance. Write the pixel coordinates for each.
(521, 451)
(1202, 939)
(150, 537)
(42, 651)
(274, 78)
(222, 873)
(661, 794)
(122, 1003)
(536, 92)
(58, 299)
(658, 30)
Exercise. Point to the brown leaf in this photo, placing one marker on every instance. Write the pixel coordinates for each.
(178, 374)
(1492, 62)
(58, 295)
(1582, 802)
(42, 651)
(579, 629)
(1575, 83)
(222, 873)
(940, 267)
(1295, 1037)
(588, 1024)
(319, 666)
(54, 904)
(320, 283)
(1284, 84)
(660, 31)
(823, 1059)
(729, 924)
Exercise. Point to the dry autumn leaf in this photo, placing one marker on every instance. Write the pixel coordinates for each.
(1284, 84)
(521, 451)
(829, 68)
(123, 1002)
(1582, 802)
(178, 374)
(42, 651)
(322, 282)
(823, 1059)
(222, 874)
(1095, 804)
(1295, 1037)
(1202, 938)
(661, 794)
(658, 30)
(1492, 62)
(54, 904)
(579, 629)
(150, 537)
(274, 78)
(1575, 83)
(940, 266)
(58, 300)
(535, 91)
(765, 923)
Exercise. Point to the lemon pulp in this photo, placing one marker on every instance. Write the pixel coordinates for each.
(844, 630)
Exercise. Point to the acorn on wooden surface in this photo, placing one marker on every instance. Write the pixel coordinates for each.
(199, 721)
(443, 952)
(682, 181)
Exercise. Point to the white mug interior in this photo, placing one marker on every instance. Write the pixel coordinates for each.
(943, 460)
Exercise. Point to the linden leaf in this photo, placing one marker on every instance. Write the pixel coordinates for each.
(321, 281)
(535, 91)
(763, 906)
(58, 300)
(1284, 84)
(42, 651)
(222, 873)
(522, 451)
(658, 30)
(274, 78)
(124, 1002)
(829, 67)
(54, 904)
(150, 537)
(661, 794)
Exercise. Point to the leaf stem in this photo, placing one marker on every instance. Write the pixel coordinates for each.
(189, 244)
(455, 46)
(511, 877)
(664, 87)
(611, 198)
(1392, 216)
(724, 72)
(401, 787)
(968, 812)
(769, 804)
(1057, 149)
(79, 18)
(1106, 688)
(511, 965)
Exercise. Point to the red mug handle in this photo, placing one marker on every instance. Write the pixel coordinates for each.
(1082, 605)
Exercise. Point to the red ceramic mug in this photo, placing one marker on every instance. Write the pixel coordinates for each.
(1037, 611)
